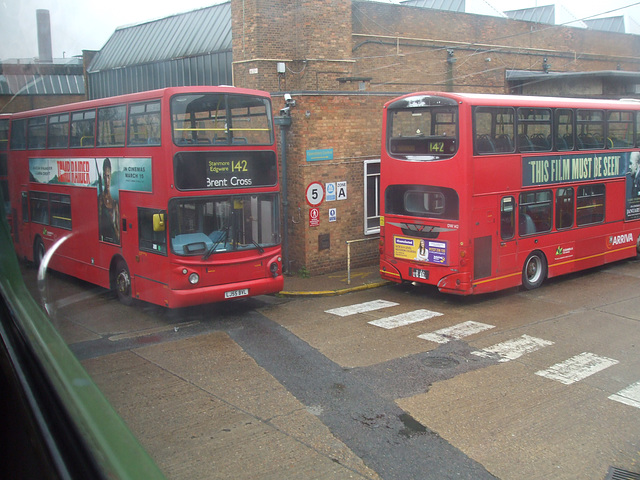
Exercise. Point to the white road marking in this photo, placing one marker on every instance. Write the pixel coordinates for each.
(512, 349)
(577, 368)
(628, 396)
(404, 319)
(456, 332)
(361, 308)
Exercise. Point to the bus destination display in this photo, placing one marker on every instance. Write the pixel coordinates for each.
(219, 170)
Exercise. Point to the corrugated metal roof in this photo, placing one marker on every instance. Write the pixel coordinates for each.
(544, 14)
(4, 86)
(42, 84)
(449, 5)
(609, 24)
(203, 31)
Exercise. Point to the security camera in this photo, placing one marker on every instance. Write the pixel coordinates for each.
(289, 102)
(285, 111)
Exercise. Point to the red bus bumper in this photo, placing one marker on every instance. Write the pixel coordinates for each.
(210, 294)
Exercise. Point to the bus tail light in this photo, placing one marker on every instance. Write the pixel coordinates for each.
(381, 246)
(274, 268)
(463, 258)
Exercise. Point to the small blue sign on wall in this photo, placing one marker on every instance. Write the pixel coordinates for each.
(321, 154)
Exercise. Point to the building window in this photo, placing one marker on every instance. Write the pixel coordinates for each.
(371, 197)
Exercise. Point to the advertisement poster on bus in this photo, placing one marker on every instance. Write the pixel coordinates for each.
(108, 176)
(420, 249)
(571, 168)
(633, 187)
(133, 174)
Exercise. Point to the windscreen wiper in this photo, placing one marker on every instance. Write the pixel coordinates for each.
(258, 246)
(213, 247)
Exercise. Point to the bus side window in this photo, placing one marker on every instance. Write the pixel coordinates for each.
(36, 133)
(111, 126)
(493, 130)
(60, 206)
(590, 129)
(507, 218)
(83, 127)
(58, 136)
(620, 130)
(590, 204)
(563, 129)
(18, 135)
(144, 124)
(39, 207)
(564, 208)
(535, 212)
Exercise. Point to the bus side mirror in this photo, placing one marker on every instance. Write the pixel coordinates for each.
(158, 222)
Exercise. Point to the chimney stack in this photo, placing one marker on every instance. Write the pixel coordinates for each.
(45, 54)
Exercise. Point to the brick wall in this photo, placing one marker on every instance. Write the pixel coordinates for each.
(311, 38)
(406, 48)
(350, 124)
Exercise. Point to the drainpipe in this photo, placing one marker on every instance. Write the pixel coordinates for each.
(284, 122)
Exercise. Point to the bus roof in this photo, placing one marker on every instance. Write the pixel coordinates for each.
(137, 97)
(497, 100)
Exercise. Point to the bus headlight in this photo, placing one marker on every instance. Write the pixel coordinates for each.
(194, 278)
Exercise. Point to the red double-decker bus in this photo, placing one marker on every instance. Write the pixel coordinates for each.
(486, 192)
(168, 196)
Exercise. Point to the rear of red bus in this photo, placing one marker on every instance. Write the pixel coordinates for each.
(423, 183)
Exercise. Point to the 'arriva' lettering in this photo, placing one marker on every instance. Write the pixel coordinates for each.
(620, 239)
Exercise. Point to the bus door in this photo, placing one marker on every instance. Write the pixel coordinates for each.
(507, 244)
(147, 236)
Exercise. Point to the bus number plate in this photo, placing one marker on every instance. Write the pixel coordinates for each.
(243, 292)
(419, 273)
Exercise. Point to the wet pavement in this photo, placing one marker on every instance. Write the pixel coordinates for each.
(336, 283)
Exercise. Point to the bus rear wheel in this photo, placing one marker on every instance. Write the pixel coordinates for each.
(534, 270)
(122, 283)
(38, 252)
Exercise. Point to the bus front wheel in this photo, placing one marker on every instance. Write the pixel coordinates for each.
(122, 283)
(534, 270)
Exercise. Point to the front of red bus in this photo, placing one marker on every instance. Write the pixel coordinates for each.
(422, 177)
(224, 214)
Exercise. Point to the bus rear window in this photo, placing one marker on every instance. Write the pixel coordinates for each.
(425, 133)
(422, 201)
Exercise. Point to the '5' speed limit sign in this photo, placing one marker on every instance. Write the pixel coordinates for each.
(315, 194)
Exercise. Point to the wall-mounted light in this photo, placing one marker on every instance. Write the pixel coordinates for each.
(450, 56)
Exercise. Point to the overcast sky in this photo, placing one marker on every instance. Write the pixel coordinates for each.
(78, 25)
